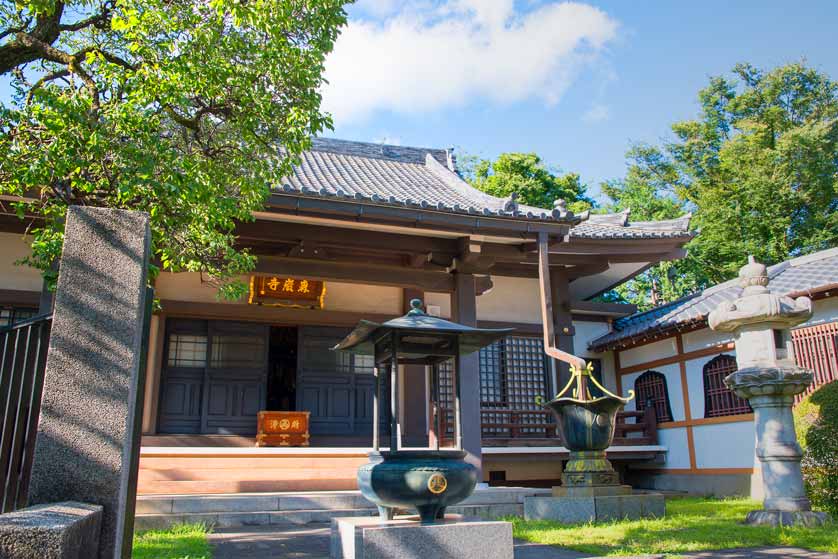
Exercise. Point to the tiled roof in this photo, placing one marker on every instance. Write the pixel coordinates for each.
(427, 178)
(798, 275)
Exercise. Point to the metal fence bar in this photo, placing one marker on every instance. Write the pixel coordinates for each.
(22, 364)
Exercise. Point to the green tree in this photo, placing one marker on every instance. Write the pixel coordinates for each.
(758, 168)
(188, 110)
(527, 175)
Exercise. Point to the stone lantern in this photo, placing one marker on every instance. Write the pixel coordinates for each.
(769, 379)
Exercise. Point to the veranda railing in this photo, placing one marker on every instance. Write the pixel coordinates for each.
(23, 352)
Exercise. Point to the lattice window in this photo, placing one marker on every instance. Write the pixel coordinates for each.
(446, 396)
(513, 373)
(651, 386)
(237, 351)
(493, 391)
(719, 400)
(186, 350)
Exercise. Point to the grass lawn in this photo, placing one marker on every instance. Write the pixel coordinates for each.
(187, 541)
(691, 524)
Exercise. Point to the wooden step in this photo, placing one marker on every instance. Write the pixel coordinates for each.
(221, 487)
(189, 474)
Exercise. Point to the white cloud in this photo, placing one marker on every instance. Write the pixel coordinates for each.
(597, 113)
(427, 57)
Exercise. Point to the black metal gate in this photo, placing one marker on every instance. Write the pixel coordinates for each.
(23, 353)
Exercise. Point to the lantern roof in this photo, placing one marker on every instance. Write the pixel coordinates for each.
(362, 339)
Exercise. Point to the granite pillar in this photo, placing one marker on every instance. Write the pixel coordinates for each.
(87, 449)
(464, 309)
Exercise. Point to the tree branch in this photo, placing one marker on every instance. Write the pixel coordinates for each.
(22, 51)
(49, 77)
(97, 19)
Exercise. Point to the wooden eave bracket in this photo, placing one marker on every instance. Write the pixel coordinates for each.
(547, 308)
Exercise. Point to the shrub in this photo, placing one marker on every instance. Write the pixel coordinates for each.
(816, 421)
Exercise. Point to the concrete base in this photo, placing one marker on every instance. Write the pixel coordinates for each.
(718, 485)
(785, 518)
(61, 531)
(404, 537)
(595, 508)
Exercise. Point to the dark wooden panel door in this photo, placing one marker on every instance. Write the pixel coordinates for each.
(336, 387)
(236, 378)
(182, 377)
(214, 377)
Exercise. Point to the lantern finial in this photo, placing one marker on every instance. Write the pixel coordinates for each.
(415, 307)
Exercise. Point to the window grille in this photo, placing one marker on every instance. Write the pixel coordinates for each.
(237, 351)
(651, 386)
(719, 400)
(9, 316)
(187, 350)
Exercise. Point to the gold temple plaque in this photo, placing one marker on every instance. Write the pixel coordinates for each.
(280, 291)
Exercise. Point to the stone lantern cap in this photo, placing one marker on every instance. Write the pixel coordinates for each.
(758, 304)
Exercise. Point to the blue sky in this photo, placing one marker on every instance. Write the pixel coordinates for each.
(635, 68)
(576, 83)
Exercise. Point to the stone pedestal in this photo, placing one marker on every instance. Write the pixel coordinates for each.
(594, 504)
(406, 538)
(588, 468)
(769, 379)
(771, 391)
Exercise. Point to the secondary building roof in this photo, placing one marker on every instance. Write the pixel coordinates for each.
(812, 275)
(425, 178)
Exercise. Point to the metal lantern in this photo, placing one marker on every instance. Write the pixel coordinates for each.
(428, 480)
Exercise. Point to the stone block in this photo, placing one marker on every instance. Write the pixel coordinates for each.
(230, 504)
(570, 510)
(87, 448)
(404, 537)
(605, 508)
(591, 490)
(59, 531)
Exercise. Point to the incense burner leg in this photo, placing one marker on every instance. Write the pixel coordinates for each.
(386, 513)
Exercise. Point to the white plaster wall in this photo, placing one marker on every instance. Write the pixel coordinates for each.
(704, 338)
(724, 445)
(13, 247)
(443, 301)
(648, 352)
(511, 300)
(678, 450)
(350, 297)
(823, 311)
(628, 384)
(587, 331)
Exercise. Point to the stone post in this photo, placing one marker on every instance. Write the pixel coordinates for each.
(88, 441)
(768, 378)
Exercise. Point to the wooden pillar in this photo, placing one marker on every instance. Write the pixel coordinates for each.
(414, 396)
(156, 339)
(464, 309)
(560, 290)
